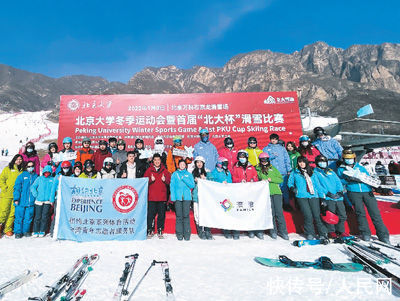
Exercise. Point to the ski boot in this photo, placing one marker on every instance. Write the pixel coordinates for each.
(150, 234)
(208, 235)
(160, 234)
(260, 235)
(227, 234)
(273, 234)
(310, 237)
(366, 237)
(251, 234)
(27, 234)
(18, 235)
(284, 236)
(332, 235)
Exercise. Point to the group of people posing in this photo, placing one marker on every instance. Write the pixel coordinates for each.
(312, 174)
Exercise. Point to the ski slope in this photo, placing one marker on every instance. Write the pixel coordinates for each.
(200, 270)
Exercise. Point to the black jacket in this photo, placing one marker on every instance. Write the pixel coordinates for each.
(140, 168)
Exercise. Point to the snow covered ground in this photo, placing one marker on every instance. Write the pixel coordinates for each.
(200, 270)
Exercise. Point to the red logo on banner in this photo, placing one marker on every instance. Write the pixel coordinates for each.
(125, 199)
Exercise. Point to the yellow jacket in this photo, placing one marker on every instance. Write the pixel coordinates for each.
(253, 155)
(7, 181)
(85, 176)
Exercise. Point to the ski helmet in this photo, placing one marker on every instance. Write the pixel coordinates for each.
(89, 163)
(103, 142)
(53, 144)
(66, 164)
(204, 132)
(200, 158)
(221, 162)
(251, 140)
(67, 140)
(139, 140)
(121, 142)
(348, 154)
(228, 141)
(304, 138)
(78, 164)
(242, 153)
(263, 156)
(318, 131)
(108, 160)
(86, 140)
(177, 139)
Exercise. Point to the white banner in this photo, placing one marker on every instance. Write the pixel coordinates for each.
(239, 206)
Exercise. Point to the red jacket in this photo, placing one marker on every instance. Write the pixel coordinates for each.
(231, 155)
(158, 188)
(239, 173)
(99, 157)
(311, 157)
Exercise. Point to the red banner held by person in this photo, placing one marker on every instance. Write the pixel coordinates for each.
(239, 115)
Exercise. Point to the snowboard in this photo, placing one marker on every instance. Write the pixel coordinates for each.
(279, 263)
(312, 242)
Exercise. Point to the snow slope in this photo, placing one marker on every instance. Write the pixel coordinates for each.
(200, 270)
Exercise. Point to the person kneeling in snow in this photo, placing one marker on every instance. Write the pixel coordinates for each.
(24, 201)
(41, 190)
(108, 171)
(88, 170)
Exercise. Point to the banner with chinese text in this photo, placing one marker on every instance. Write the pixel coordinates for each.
(94, 209)
(239, 115)
(232, 207)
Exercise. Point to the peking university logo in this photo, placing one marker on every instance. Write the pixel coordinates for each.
(125, 199)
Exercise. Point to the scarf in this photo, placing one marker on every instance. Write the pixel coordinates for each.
(310, 186)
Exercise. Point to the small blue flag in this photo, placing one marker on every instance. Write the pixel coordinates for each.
(366, 110)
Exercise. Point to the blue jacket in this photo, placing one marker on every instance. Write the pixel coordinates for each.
(298, 181)
(278, 157)
(22, 187)
(208, 151)
(182, 182)
(42, 187)
(329, 182)
(351, 185)
(329, 147)
(219, 176)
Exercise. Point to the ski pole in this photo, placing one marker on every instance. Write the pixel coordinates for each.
(132, 267)
(140, 281)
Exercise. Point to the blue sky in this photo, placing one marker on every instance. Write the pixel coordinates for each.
(116, 39)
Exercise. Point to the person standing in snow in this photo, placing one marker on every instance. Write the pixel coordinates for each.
(305, 185)
(30, 155)
(267, 172)
(280, 159)
(360, 195)
(206, 149)
(229, 152)
(48, 158)
(172, 159)
(181, 184)
(244, 172)
(332, 189)
(120, 155)
(24, 201)
(100, 154)
(221, 174)
(159, 180)
(253, 151)
(327, 146)
(307, 150)
(7, 181)
(108, 170)
(41, 191)
(199, 172)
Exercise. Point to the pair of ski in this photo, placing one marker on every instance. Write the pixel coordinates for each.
(17, 281)
(371, 266)
(69, 284)
(122, 289)
(313, 242)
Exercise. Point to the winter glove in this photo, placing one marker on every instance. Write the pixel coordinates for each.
(335, 196)
(371, 194)
(330, 195)
(323, 206)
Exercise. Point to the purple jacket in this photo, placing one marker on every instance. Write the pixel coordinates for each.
(34, 159)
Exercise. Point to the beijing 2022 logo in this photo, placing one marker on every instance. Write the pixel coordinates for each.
(125, 199)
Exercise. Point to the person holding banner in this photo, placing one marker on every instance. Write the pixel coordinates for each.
(206, 149)
(229, 153)
(88, 170)
(267, 172)
(133, 167)
(120, 155)
(306, 187)
(48, 158)
(244, 172)
(64, 154)
(86, 153)
(199, 172)
(181, 184)
(221, 174)
(100, 154)
(77, 170)
(159, 180)
(172, 157)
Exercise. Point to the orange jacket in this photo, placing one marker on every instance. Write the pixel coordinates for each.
(172, 161)
(85, 154)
